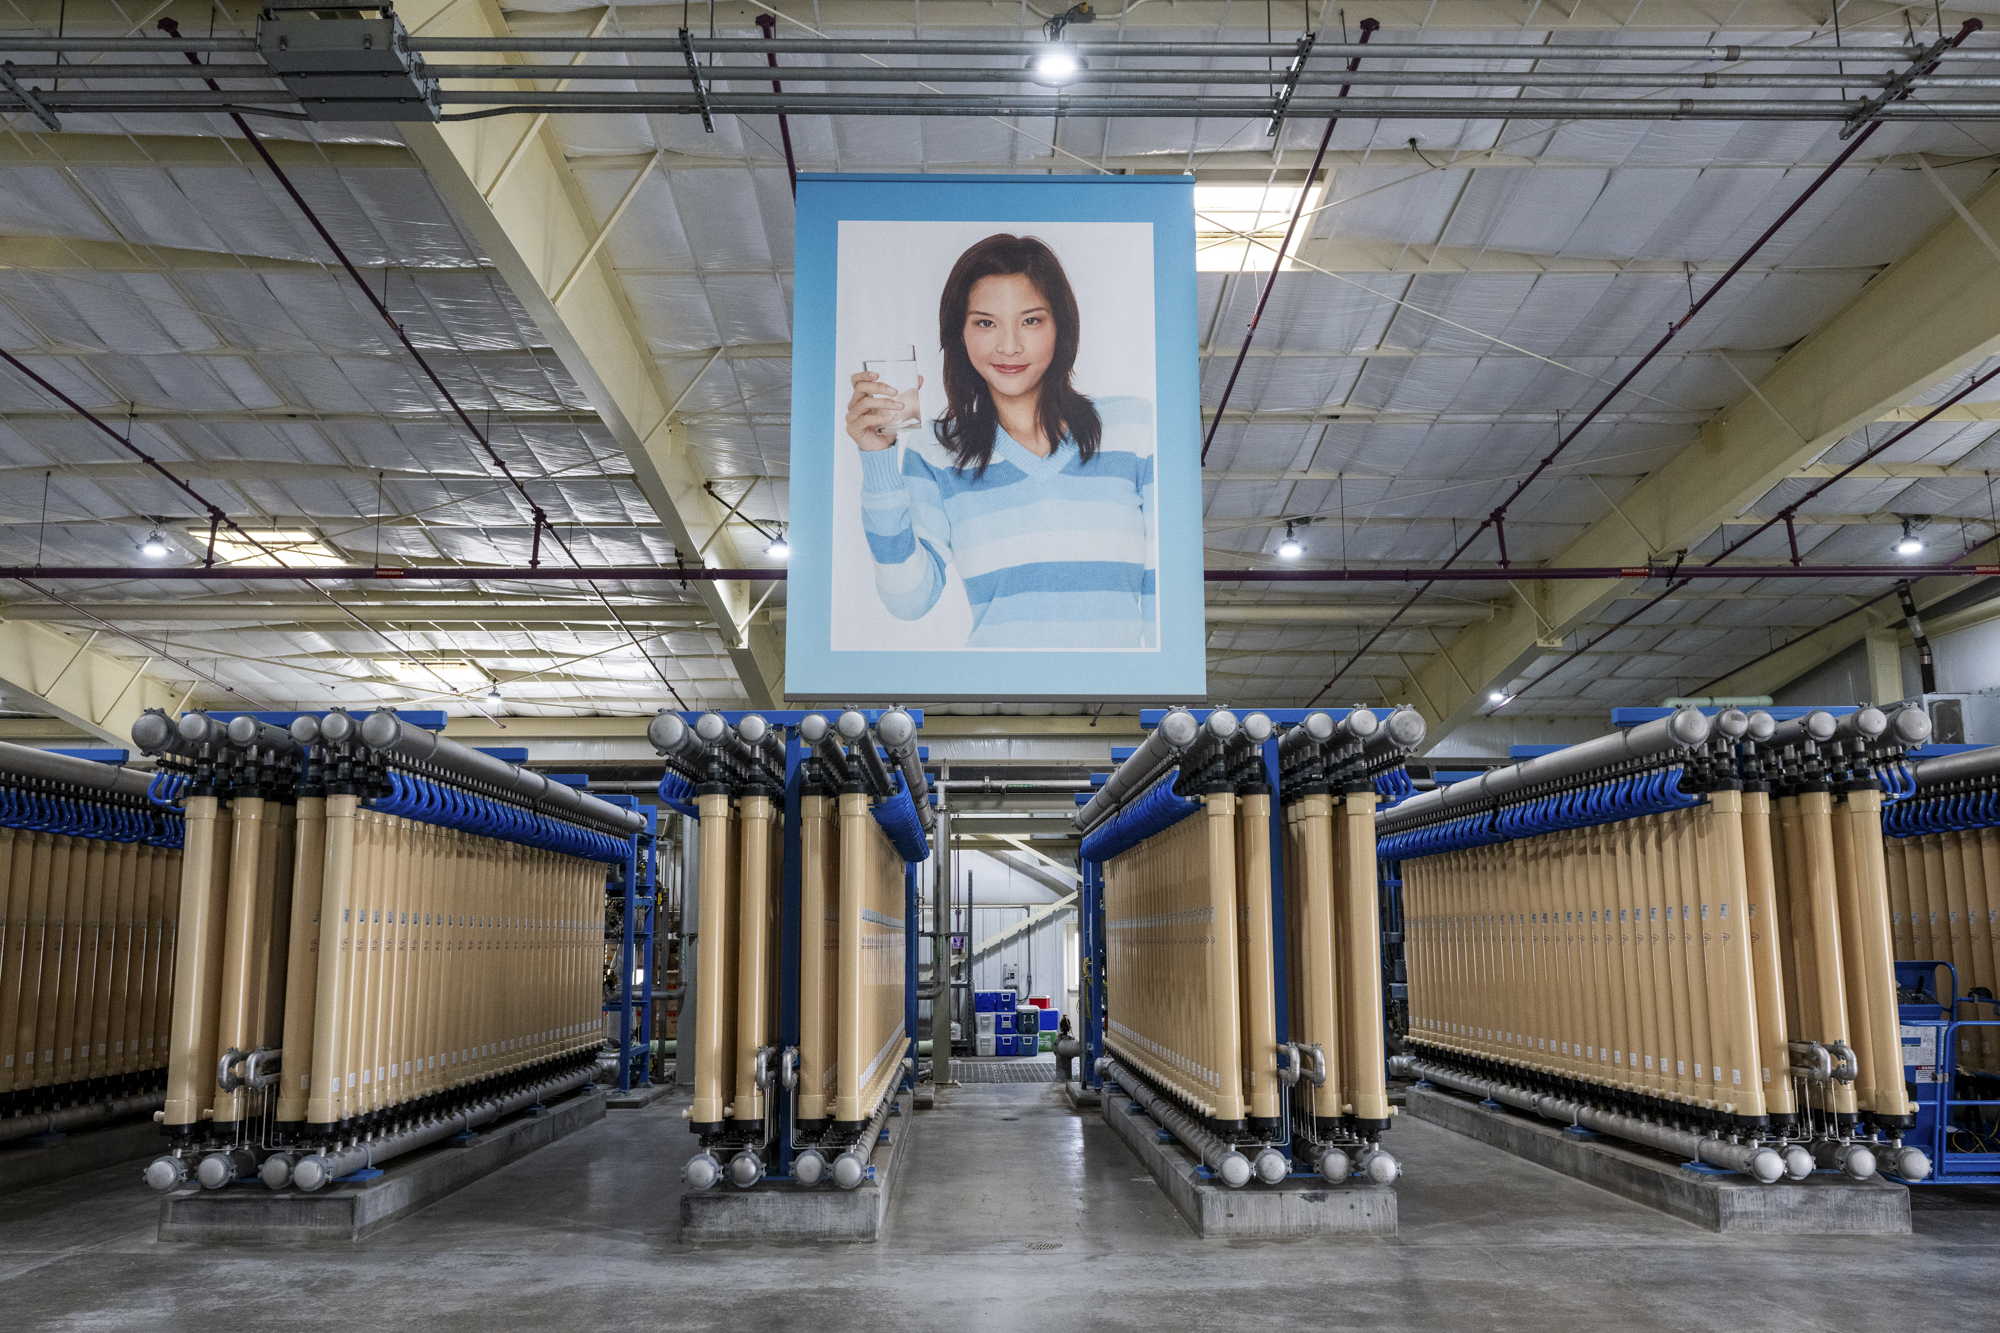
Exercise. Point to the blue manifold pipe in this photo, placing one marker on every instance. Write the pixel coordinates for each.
(429, 802)
(1601, 803)
(898, 818)
(1155, 810)
(678, 794)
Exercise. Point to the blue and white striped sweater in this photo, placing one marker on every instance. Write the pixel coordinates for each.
(1054, 552)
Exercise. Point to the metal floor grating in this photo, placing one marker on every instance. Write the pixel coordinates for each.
(1004, 1071)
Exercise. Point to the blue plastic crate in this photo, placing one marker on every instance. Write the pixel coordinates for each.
(982, 1001)
(1008, 1044)
(1051, 1020)
(1003, 1023)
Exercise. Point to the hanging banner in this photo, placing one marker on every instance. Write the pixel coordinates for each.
(996, 439)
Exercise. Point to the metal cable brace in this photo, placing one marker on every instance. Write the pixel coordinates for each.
(27, 96)
(694, 77)
(1898, 86)
(1297, 68)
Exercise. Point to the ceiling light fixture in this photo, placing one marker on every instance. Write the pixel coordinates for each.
(155, 546)
(779, 549)
(1910, 543)
(1494, 696)
(1056, 65)
(1291, 548)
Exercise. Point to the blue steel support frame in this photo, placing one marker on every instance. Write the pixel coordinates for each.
(1090, 942)
(633, 881)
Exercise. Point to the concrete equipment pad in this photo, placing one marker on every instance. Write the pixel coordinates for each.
(1081, 1098)
(643, 1095)
(1824, 1204)
(1295, 1208)
(782, 1210)
(247, 1210)
(27, 1162)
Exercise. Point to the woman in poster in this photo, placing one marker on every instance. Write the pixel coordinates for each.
(1040, 496)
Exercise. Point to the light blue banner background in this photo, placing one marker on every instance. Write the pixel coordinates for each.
(814, 669)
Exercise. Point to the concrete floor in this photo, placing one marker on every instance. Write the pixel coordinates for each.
(583, 1236)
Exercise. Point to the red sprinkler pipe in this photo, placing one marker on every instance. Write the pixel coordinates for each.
(674, 574)
(769, 23)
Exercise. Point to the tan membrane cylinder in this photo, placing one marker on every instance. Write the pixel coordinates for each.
(197, 966)
(755, 955)
(1171, 978)
(1763, 928)
(1312, 958)
(1866, 934)
(1256, 963)
(870, 1037)
(819, 949)
(715, 973)
(1361, 960)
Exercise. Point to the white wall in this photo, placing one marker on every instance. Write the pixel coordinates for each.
(1037, 954)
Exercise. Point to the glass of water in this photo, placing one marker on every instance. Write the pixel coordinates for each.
(895, 368)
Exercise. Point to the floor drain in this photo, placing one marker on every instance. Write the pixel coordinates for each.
(1010, 1117)
(1044, 1245)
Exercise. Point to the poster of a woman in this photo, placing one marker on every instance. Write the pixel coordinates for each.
(1038, 496)
(995, 431)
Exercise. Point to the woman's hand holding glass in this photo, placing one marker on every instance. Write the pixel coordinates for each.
(878, 411)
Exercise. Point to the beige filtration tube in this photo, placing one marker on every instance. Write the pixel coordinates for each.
(198, 966)
(15, 861)
(93, 946)
(1256, 963)
(65, 912)
(1871, 978)
(300, 1014)
(1170, 975)
(1739, 1051)
(248, 908)
(1315, 980)
(1763, 927)
(1361, 962)
(754, 943)
(818, 952)
(1810, 859)
(715, 973)
(114, 959)
(325, 1074)
(868, 1030)
(42, 946)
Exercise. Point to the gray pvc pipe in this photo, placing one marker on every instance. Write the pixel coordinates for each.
(1956, 767)
(1909, 726)
(1682, 730)
(1231, 1167)
(245, 732)
(79, 1117)
(155, 733)
(1816, 726)
(851, 1167)
(385, 732)
(1403, 729)
(852, 727)
(897, 731)
(316, 1170)
(31, 763)
(1156, 753)
(1655, 737)
(1755, 1160)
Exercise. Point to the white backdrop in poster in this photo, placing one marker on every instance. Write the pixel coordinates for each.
(889, 278)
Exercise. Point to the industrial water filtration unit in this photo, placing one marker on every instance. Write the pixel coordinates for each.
(1233, 986)
(89, 890)
(1943, 855)
(1677, 934)
(385, 939)
(803, 997)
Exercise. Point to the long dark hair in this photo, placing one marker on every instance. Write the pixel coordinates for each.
(970, 419)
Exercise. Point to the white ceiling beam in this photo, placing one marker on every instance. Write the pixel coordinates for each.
(537, 226)
(1930, 316)
(44, 671)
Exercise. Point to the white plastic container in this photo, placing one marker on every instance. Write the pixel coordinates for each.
(985, 1024)
(983, 1044)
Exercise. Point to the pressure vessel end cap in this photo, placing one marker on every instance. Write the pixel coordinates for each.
(1362, 723)
(1335, 1165)
(215, 1171)
(847, 1171)
(337, 727)
(1319, 726)
(1912, 1164)
(305, 729)
(165, 1172)
(809, 1167)
(710, 727)
(380, 729)
(665, 731)
(1910, 726)
(1870, 722)
(1222, 724)
(1407, 728)
(1766, 1166)
(1381, 1168)
(752, 728)
(1689, 726)
(1798, 1162)
(310, 1173)
(1234, 1170)
(195, 726)
(1762, 725)
(1820, 725)
(1732, 724)
(852, 725)
(700, 1173)
(1859, 1163)
(1272, 1167)
(895, 727)
(1179, 727)
(276, 1171)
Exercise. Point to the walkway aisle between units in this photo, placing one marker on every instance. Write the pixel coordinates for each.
(584, 1234)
